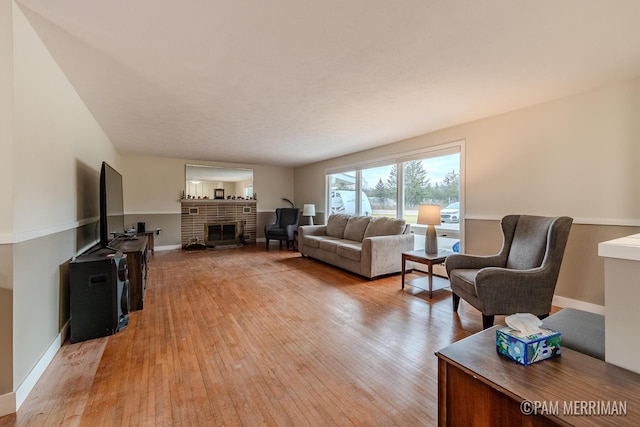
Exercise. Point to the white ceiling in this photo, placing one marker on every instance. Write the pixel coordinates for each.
(290, 82)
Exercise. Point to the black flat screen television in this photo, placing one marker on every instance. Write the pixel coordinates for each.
(111, 205)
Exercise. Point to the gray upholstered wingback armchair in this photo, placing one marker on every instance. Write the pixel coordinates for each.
(519, 279)
(284, 227)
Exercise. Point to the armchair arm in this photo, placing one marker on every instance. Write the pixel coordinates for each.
(268, 227)
(514, 291)
(383, 254)
(475, 262)
(290, 229)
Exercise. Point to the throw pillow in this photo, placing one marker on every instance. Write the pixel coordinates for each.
(384, 226)
(355, 228)
(336, 224)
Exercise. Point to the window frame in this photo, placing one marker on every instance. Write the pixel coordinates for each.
(398, 159)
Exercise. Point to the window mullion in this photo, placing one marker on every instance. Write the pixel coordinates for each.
(359, 192)
(400, 191)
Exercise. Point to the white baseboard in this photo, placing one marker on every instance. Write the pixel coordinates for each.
(580, 305)
(172, 247)
(167, 247)
(11, 402)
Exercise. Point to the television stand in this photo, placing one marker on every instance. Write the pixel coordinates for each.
(150, 236)
(137, 261)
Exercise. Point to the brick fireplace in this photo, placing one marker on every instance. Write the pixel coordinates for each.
(218, 222)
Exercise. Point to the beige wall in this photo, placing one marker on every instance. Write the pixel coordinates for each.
(6, 118)
(39, 297)
(54, 148)
(168, 224)
(153, 187)
(6, 319)
(6, 193)
(49, 113)
(574, 156)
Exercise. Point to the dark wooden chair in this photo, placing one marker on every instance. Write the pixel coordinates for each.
(283, 229)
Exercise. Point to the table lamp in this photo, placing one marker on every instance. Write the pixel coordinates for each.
(430, 216)
(310, 211)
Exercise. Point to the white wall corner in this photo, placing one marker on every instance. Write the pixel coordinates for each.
(167, 247)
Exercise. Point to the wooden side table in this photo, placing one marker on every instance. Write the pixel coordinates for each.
(430, 282)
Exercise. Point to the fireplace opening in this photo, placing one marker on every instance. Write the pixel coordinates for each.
(222, 233)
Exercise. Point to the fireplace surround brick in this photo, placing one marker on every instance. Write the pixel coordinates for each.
(196, 213)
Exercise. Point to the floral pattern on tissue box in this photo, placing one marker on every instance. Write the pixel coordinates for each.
(529, 348)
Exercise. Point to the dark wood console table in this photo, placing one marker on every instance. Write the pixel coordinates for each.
(479, 387)
(151, 237)
(136, 251)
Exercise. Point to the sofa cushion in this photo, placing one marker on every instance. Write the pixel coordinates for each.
(336, 225)
(314, 241)
(355, 228)
(466, 279)
(350, 251)
(329, 244)
(384, 226)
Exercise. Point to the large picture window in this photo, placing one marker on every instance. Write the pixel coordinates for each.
(380, 190)
(397, 187)
(342, 193)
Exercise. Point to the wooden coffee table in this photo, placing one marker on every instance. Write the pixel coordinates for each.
(429, 282)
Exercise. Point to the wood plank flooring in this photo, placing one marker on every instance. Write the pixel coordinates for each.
(248, 337)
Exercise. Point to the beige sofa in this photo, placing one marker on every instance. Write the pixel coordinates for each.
(368, 246)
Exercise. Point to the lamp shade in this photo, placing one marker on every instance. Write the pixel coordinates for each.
(309, 210)
(429, 214)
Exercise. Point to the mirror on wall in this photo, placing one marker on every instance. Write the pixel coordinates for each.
(214, 182)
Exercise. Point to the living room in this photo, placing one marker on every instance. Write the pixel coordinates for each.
(569, 151)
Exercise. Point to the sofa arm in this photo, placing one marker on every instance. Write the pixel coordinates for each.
(311, 230)
(383, 254)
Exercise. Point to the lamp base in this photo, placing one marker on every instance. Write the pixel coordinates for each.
(310, 220)
(431, 241)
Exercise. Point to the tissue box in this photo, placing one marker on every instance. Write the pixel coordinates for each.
(530, 348)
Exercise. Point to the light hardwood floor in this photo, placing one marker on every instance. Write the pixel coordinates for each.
(253, 337)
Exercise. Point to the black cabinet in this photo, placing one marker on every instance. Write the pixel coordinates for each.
(99, 293)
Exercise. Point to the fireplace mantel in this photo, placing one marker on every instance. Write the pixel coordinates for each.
(210, 201)
(198, 212)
